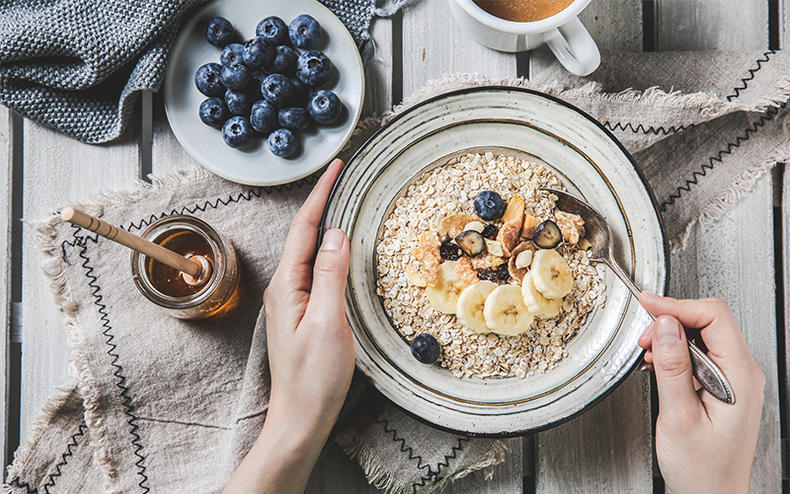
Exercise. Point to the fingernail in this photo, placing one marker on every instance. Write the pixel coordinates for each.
(333, 240)
(667, 330)
(644, 367)
(649, 296)
(647, 331)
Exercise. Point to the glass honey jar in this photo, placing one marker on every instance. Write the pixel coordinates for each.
(213, 294)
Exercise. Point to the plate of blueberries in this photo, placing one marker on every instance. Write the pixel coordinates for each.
(264, 93)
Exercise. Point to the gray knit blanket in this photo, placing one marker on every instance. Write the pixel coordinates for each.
(80, 69)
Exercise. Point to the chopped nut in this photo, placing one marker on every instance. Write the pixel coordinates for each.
(530, 225)
(571, 225)
(509, 238)
(514, 214)
(454, 224)
(524, 259)
(475, 226)
(409, 244)
(494, 248)
(516, 272)
(486, 261)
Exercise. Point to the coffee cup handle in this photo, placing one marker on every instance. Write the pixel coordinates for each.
(574, 47)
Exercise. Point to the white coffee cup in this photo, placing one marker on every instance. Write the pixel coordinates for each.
(563, 32)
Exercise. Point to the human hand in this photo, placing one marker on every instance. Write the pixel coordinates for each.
(311, 352)
(702, 444)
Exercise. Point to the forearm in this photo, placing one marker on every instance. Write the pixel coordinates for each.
(281, 459)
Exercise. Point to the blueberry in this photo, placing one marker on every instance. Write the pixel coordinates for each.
(213, 112)
(220, 32)
(274, 30)
(208, 79)
(237, 132)
(425, 348)
(282, 143)
(257, 53)
(301, 94)
(304, 31)
(238, 102)
(293, 118)
(231, 53)
(277, 89)
(313, 68)
(489, 205)
(263, 117)
(284, 60)
(324, 107)
(236, 76)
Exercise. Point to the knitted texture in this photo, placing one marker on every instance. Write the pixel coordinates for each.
(78, 67)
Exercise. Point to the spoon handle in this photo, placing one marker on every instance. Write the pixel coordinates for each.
(704, 369)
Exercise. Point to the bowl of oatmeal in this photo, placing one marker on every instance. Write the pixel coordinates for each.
(471, 297)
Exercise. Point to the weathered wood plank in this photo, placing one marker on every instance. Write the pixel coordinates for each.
(725, 269)
(711, 24)
(712, 268)
(609, 448)
(166, 153)
(434, 45)
(784, 210)
(56, 169)
(379, 75)
(6, 174)
(613, 24)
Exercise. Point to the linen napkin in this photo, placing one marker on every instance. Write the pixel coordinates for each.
(156, 404)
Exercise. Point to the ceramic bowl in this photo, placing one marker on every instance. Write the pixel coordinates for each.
(591, 163)
(257, 165)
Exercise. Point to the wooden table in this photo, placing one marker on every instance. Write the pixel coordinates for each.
(742, 258)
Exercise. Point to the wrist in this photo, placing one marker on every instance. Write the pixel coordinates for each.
(294, 431)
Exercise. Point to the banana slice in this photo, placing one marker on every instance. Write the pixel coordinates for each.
(471, 303)
(505, 312)
(444, 294)
(539, 305)
(551, 274)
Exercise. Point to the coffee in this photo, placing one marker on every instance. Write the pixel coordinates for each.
(523, 10)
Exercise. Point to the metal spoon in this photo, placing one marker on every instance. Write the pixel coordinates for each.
(597, 232)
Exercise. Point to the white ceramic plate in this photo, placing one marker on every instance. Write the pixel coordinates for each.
(591, 163)
(258, 166)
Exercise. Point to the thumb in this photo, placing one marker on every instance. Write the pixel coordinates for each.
(676, 394)
(327, 296)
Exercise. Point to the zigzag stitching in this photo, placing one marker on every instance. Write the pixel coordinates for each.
(402, 441)
(118, 373)
(766, 117)
(434, 474)
(24, 485)
(662, 131)
(63, 462)
(736, 91)
(453, 453)
(79, 240)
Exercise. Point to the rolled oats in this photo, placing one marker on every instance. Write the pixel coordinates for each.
(452, 188)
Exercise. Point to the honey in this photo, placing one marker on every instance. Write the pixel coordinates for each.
(214, 294)
(168, 280)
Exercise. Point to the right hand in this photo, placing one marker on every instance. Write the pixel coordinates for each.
(702, 444)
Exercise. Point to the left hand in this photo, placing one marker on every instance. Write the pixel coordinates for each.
(311, 352)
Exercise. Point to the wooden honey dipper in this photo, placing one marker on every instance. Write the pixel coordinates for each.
(194, 269)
